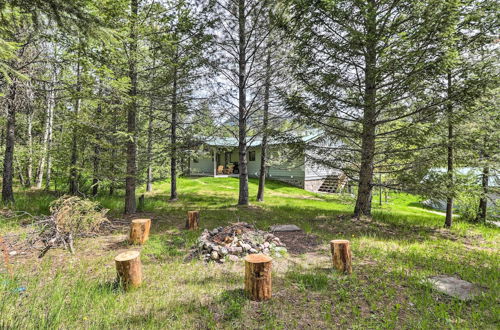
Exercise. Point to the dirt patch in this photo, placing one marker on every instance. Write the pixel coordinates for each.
(298, 242)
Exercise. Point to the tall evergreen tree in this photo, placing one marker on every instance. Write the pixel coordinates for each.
(130, 181)
(241, 41)
(364, 70)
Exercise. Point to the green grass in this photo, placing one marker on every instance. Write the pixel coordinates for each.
(392, 254)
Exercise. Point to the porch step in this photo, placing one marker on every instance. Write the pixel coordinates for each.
(333, 183)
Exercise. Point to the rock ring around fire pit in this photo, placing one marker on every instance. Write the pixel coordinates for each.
(235, 241)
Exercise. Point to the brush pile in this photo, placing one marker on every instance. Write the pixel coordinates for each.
(71, 217)
(235, 241)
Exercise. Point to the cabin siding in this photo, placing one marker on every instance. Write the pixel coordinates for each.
(204, 166)
(290, 171)
(254, 166)
(314, 171)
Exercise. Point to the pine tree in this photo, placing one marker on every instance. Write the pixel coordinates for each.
(241, 41)
(365, 70)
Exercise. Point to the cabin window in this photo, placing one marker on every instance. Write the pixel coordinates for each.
(251, 156)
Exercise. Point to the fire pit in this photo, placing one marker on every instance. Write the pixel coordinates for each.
(235, 241)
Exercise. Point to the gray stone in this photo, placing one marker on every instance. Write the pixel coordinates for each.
(235, 250)
(455, 287)
(233, 258)
(246, 247)
(266, 244)
(252, 250)
(214, 255)
(265, 251)
(12, 253)
(223, 251)
(285, 228)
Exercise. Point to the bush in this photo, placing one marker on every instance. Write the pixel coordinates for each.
(468, 205)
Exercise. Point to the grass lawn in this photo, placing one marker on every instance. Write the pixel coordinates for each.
(392, 254)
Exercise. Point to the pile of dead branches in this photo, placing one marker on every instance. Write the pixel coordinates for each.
(71, 217)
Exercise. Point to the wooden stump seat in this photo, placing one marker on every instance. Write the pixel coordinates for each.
(258, 276)
(193, 220)
(129, 269)
(139, 231)
(341, 255)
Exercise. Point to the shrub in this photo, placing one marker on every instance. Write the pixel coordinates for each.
(468, 205)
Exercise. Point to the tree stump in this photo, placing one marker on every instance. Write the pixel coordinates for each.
(193, 220)
(258, 276)
(140, 207)
(139, 230)
(341, 255)
(129, 269)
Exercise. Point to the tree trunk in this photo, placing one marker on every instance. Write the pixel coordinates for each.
(139, 231)
(47, 135)
(129, 269)
(265, 120)
(49, 146)
(10, 138)
(97, 151)
(258, 280)
(341, 255)
(149, 179)
(242, 113)
(449, 199)
(20, 171)
(173, 128)
(130, 203)
(29, 169)
(365, 186)
(73, 176)
(112, 171)
(483, 201)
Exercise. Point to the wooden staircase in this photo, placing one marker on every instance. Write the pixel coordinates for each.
(333, 183)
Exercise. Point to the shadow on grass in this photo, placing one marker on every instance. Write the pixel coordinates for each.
(110, 287)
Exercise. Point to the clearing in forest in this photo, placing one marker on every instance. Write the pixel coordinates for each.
(393, 254)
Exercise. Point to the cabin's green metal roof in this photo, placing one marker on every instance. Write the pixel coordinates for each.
(233, 142)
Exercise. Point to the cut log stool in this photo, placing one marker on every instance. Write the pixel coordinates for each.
(139, 230)
(258, 276)
(341, 255)
(193, 220)
(129, 269)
